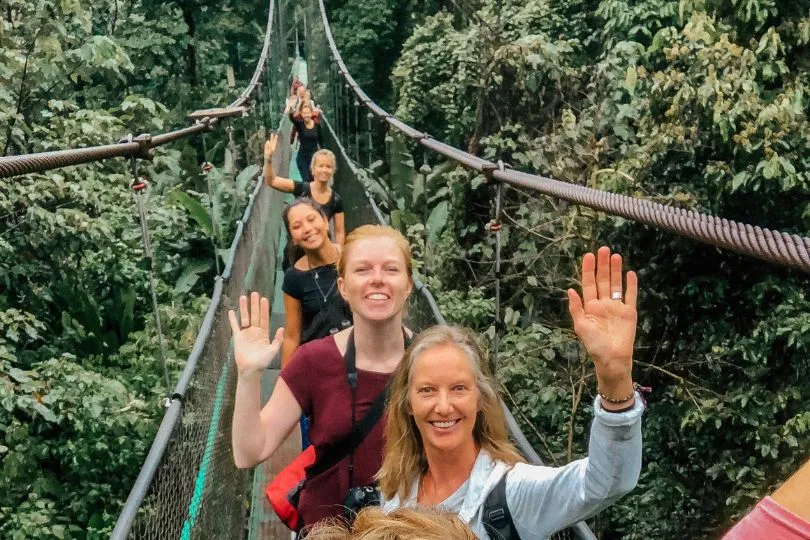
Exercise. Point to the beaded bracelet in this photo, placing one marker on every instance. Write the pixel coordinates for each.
(636, 388)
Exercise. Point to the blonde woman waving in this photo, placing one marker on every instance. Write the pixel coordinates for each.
(447, 442)
(322, 167)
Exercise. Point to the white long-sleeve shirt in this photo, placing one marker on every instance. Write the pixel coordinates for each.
(543, 500)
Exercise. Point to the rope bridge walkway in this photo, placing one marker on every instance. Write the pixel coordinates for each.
(188, 486)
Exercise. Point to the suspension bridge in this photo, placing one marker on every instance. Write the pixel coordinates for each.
(188, 486)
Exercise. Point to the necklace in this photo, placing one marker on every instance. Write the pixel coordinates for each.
(328, 293)
(315, 268)
(316, 277)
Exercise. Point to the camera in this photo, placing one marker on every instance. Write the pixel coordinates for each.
(358, 498)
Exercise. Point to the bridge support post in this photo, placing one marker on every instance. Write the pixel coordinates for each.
(206, 167)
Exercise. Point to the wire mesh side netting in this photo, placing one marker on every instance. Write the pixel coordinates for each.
(196, 491)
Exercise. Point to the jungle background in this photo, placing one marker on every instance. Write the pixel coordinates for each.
(695, 103)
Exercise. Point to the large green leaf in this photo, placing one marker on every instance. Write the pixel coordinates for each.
(195, 209)
(190, 276)
(437, 221)
(402, 169)
(245, 177)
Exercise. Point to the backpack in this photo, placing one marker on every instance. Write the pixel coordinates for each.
(496, 516)
(331, 319)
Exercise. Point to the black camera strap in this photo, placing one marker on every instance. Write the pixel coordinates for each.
(332, 454)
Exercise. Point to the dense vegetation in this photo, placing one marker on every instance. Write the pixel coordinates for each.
(81, 384)
(699, 104)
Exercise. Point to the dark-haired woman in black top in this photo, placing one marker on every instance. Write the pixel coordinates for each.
(313, 306)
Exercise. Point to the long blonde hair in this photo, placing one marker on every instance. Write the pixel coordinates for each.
(404, 458)
(402, 524)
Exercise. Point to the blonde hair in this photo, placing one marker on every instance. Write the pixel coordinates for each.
(364, 232)
(402, 524)
(404, 457)
(327, 153)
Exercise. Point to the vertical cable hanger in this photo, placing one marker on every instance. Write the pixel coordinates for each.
(138, 186)
(494, 226)
(356, 131)
(206, 167)
(369, 118)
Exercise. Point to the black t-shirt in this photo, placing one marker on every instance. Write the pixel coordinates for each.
(315, 294)
(333, 206)
(310, 138)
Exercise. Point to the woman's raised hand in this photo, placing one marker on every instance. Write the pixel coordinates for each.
(605, 319)
(253, 350)
(270, 147)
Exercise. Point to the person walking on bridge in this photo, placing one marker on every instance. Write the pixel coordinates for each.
(323, 167)
(335, 381)
(446, 439)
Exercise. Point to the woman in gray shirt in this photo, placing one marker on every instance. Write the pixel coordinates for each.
(447, 442)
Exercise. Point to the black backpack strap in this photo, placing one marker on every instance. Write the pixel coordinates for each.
(496, 516)
(330, 455)
(350, 358)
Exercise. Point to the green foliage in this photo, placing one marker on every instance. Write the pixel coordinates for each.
(81, 383)
(370, 34)
(697, 104)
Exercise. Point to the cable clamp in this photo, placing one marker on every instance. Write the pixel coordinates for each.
(493, 226)
(144, 141)
(138, 184)
(487, 170)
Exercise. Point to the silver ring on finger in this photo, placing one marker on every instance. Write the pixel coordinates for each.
(616, 295)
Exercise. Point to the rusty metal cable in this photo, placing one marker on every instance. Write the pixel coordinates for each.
(777, 247)
(44, 161)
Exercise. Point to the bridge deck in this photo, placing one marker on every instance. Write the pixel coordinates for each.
(264, 524)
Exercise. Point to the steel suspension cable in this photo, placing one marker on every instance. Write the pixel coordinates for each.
(777, 247)
(138, 187)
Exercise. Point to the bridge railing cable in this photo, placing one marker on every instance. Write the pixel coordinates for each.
(776, 247)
